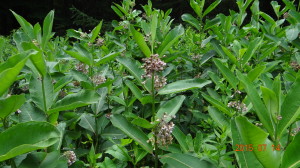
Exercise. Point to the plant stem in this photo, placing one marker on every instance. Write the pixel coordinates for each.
(153, 119)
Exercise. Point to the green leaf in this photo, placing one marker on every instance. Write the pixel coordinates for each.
(291, 157)
(10, 69)
(218, 117)
(290, 108)
(180, 137)
(38, 61)
(62, 82)
(154, 21)
(262, 112)
(226, 72)
(170, 39)
(271, 101)
(11, 104)
(170, 108)
(133, 132)
(217, 104)
(139, 39)
(95, 32)
(117, 11)
(183, 85)
(26, 26)
(141, 122)
(47, 28)
(256, 72)
(230, 55)
(31, 113)
(211, 7)
(107, 163)
(107, 58)
(87, 121)
(82, 54)
(178, 160)
(72, 101)
(245, 159)
(27, 137)
(119, 152)
(134, 89)
(41, 92)
(252, 48)
(191, 20)
(217, 47)
(251, 134)
(292, 33)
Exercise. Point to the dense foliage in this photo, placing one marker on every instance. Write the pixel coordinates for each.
(217, 92)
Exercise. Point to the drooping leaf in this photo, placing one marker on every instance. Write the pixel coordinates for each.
(178, 160)
(11, 104)
(41, 92)
(183, 85)
(291, 157)
(260, 109)
(139, 39)
(87, 121)
(133, 132)
(191, 20)
(251, 134)
(72, 101)
(10, 69)
(226, 72)
(27, 137)
(170, 39)
(170, 108)
(290, 108)
(244, 158)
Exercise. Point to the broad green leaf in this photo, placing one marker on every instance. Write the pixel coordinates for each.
(38, 61)
(218, 117)
(178, 160)
(99, 105)
(31, 113)
(290, 108)
(292, 33)
(47, 28)
(197, 6)
(107, 163)
(82, 54)
(107, 58)
(260, 109)
(62, 82)
(252, 48)
(226, 72)
(134, 89)
(183, 85)
(141, 122)
(245, 159)
(139, 39)
(41, 92)
(133, 132)
(291, 157)
(180, 137)
(217, 47)
(271, 101)
(170, 39)
(267, 17)
(170, 107)
(11, 104)
(95, 32)
(191, 20)
(217, 104)
(119, 152)
(9, 71)
(87, 121)
(72, 101)
(54, 160)
(256, 72)
(118, 100)
(26, 26)
(251, 134)
(117, 11)
(211, 7)
(27, 137)
(230, 55)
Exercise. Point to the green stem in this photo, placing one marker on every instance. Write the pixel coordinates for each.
(44, 96)
(153, 119)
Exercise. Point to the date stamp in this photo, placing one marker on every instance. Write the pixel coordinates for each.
(259, 147)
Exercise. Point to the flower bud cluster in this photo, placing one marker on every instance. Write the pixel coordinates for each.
(98, 79)
(163, 132)
(152, 64)
(159, 82)
(82, 68)
(295, 66)
(240, 106)
(71, 156)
